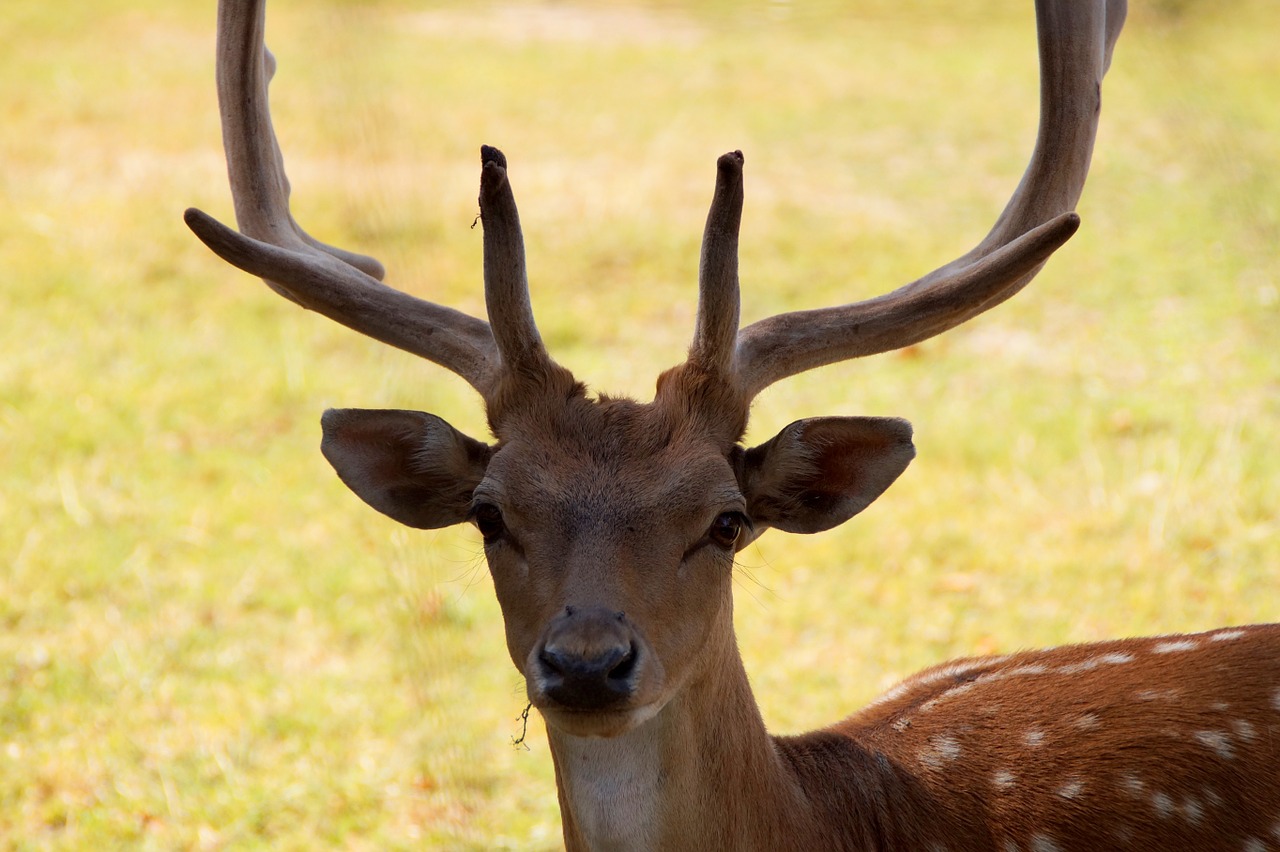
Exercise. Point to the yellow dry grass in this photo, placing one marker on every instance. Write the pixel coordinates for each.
(208, 643)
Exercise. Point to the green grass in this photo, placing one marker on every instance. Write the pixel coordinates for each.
(208, 643)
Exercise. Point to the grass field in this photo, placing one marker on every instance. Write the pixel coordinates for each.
(207, 642)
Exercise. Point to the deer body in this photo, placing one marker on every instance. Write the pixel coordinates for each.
(1156, 743)
(610, 528)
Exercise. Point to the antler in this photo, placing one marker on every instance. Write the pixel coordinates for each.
(718, 292)
(506, 284)
(1076, 40)
(341, 285)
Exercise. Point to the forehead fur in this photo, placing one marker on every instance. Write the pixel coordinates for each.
(608, 431)
(572, 459)
(692, 406)
(566, 456)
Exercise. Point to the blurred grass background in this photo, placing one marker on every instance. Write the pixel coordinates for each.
(206, 642)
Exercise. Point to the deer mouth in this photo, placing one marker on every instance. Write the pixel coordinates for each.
(602, 724)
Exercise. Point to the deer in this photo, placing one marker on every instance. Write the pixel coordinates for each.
(610, 527)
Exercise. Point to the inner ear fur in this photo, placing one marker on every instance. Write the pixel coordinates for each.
(409, 465)
(818, 473)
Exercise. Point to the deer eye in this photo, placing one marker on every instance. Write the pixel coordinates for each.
(726, 529)
(488, 519)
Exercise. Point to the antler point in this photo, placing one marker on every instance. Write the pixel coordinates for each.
(732, 160)
(490, 154)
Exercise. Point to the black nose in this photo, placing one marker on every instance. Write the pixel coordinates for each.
(588, 660)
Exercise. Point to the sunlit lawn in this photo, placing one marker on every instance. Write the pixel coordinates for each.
(207, 642)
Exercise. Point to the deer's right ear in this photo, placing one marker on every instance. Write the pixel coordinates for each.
(409, 465)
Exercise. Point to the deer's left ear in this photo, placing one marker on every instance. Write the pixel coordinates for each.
(409, 465)
(818, 473)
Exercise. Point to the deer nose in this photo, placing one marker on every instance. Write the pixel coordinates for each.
(588, 659)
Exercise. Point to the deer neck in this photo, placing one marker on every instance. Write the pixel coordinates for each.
(702, 773)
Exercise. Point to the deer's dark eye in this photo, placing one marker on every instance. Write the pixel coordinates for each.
(726, 529)
(488, 519)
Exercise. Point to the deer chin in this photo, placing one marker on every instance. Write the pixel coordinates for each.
(598, 724)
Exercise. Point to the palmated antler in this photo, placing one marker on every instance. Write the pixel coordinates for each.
(1076, 39)
(344, 286)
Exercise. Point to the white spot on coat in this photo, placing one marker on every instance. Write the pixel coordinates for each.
(1032, 669)
(1004, 779)
(1192, 810)
(1174, 646)
(1033, 738)
(1253, 844)
(1071, 789)
(947, 747)
(1226, 635)
(1158, 695)
(940, 750)
(949, 694)
(1089, 722)
(1218, 741)
(1116, 659)
(1082, 666)
(953, 670)
(1044, 843)
(1244, 730)
(1133, 785)
(1162, 803)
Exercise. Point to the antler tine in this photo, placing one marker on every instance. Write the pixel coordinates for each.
(341, 285)
(254, 161)
(506, 283)
(718, 295)
(1076, 39)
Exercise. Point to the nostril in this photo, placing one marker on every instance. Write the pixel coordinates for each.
(624, 668)
(551, 661)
